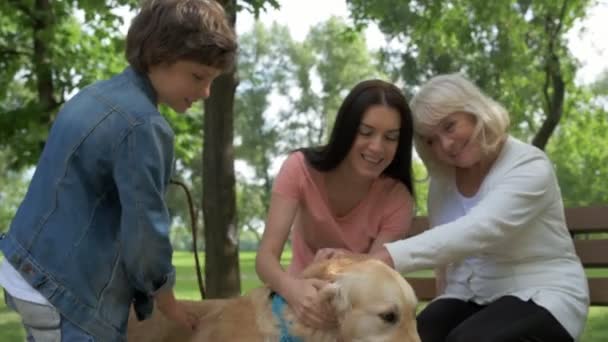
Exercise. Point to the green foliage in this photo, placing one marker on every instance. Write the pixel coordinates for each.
(513, 50)
(252, 204)
(12, 189)
(579, 152)
(45, 55)
(332, 60)
(313, 77)
(421, 187)
(188, 129)
(507, 47)
(181, 236)
(249, 241)
(256, 6)
(600, 87)
(342, 60)
(264, 69)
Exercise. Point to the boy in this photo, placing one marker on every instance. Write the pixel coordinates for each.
(91, 236)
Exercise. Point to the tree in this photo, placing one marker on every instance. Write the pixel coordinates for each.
(46, 53)
(264, 68)
(579, 154)
(12, 190)
(336, 57)
(515, 50)
(600, 86)
(219, 200)
(273, 66)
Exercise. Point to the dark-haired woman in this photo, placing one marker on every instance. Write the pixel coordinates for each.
(355, 193)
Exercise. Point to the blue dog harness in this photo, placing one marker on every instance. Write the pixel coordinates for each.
(278, 304)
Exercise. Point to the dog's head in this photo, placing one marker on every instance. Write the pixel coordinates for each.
(373, 302)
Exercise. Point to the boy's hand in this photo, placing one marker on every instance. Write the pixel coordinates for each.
(175, 311)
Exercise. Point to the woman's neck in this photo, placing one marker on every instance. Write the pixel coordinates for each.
(345, 178)
(469, 180)
(345, 190)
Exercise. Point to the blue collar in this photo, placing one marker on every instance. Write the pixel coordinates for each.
(278, 304)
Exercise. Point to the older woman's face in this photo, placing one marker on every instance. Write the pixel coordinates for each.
(452, 140)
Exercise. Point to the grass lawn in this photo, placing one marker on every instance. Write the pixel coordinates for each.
(187, 288)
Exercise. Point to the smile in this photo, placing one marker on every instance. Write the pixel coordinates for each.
(372, 159)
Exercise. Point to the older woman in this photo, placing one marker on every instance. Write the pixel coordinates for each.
(506, 264)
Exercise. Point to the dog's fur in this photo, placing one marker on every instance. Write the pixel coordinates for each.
(373, 303)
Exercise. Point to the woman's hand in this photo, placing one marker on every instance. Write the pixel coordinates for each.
(331, 253)
(175, 311)
(303, 298)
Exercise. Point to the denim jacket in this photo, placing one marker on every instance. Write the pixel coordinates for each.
(91, 234)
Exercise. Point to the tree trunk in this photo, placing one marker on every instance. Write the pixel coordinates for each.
(222, 273)
(554, 105)
(42, 22)
(554, 90)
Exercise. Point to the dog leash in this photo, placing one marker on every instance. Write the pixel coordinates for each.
(194, 231)
(278, 305)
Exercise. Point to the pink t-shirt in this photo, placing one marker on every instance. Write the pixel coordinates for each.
(386, 207)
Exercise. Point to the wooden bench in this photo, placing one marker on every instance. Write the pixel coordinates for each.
(589, 229)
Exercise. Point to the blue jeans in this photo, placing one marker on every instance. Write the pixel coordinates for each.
(44, 323)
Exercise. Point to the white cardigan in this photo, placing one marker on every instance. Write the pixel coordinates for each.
(513, 242)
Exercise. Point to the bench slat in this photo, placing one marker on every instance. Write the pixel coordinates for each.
(579, 220)
(598, 288)
(425, 289)
(587, 219)
(593, 253)
(420, 224)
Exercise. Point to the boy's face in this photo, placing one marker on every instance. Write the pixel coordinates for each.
(182, 83)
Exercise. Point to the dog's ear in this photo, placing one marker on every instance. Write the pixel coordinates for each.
(335, 295)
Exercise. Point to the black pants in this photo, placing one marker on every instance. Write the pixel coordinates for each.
(505, 320)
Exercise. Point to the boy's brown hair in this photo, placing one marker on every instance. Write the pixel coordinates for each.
(165, 31)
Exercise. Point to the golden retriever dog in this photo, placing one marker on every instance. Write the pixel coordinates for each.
(372, 302)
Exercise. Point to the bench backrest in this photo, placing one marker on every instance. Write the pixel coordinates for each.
(589, 229)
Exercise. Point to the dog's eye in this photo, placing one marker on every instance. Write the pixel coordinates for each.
(390, 317)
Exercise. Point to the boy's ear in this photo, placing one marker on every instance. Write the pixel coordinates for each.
(335, 294)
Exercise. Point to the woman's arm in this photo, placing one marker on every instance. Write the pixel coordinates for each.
(520, 196)
(301, 294)
(281, 214)
(387, 236)
(396, 220)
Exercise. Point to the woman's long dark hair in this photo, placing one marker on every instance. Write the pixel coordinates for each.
(363, 96)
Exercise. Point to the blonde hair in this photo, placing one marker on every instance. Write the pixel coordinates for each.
(451, 93)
